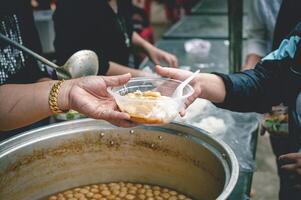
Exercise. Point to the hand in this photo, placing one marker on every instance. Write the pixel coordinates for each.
(89, 96)
(181, 75)
(294, 160)
(157, 55)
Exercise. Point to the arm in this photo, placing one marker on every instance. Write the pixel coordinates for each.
(23, 104)
(276, 79)
(253, 90)
(117, 69)
(156, 55)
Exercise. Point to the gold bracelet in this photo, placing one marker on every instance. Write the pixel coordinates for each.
(53, 97)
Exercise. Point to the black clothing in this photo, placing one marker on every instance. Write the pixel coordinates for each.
(17, 23)
(276, 79)
(288, 17)
(93, 25)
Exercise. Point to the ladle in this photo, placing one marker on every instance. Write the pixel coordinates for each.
(82, 63)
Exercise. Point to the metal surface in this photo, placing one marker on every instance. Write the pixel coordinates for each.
(235, 17)
(213, 7)
(82, 63)
(51, 159)
(200, 26)
(215, 61)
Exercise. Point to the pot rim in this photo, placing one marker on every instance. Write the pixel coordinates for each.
(29, 137)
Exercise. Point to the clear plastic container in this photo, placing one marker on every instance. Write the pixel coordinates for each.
(159, 110)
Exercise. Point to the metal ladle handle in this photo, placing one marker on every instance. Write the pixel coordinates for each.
(33, 54)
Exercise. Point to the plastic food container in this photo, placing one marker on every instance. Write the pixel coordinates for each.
(159, 110)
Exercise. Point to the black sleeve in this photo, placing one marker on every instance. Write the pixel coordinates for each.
(73, 20)
(276, 79)
(255, 90)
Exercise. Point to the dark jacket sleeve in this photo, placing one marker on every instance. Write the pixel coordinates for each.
(276, 79)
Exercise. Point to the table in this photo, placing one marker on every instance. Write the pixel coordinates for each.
(215, 61)
(240, 136)
(213, 7)
(200, 26)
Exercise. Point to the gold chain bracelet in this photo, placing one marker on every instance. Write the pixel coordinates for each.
(53, 97)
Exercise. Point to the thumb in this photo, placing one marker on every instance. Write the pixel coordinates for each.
(116, 80)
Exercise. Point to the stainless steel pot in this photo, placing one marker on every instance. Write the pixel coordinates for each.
(61, 156)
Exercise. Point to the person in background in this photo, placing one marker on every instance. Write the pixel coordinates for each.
(275, 79)
(262, 16)
(25, 87)
(141, 25)
(269, 23)
(104, 26)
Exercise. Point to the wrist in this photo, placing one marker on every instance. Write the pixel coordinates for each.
(64, 95)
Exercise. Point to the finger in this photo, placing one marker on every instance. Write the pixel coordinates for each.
(155, 60)
(171, 73)
(175, 62)
(289, 167)
(116, 80)
(110, 115)
(123, 123)
(168, 60)
(290, 157)
(183, 112)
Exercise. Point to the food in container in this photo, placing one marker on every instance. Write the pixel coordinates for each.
(149, 100)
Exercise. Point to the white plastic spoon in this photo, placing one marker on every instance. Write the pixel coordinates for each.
(179, 90)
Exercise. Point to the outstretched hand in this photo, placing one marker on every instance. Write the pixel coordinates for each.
(181, 75)
(89, 96)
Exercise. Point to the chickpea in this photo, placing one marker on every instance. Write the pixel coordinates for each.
(157, 192)
(89, 194)
(105, 192)
(119, 191)
(129, 197)
(115, 192)
(165, 195)
(147, 187)
(79, 195)
(84, 191)
(97, 196)
(141, 196)
(95, 190)
(132, 191)
(141, 191)
(122, 194)
(111, 196)
(69, 196)
(149, 194)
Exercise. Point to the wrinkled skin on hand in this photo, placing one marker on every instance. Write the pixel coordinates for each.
(89, 96)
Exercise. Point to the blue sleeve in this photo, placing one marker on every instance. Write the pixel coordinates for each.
(276, 79)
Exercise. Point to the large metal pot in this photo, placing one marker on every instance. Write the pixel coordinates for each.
(61, 156)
